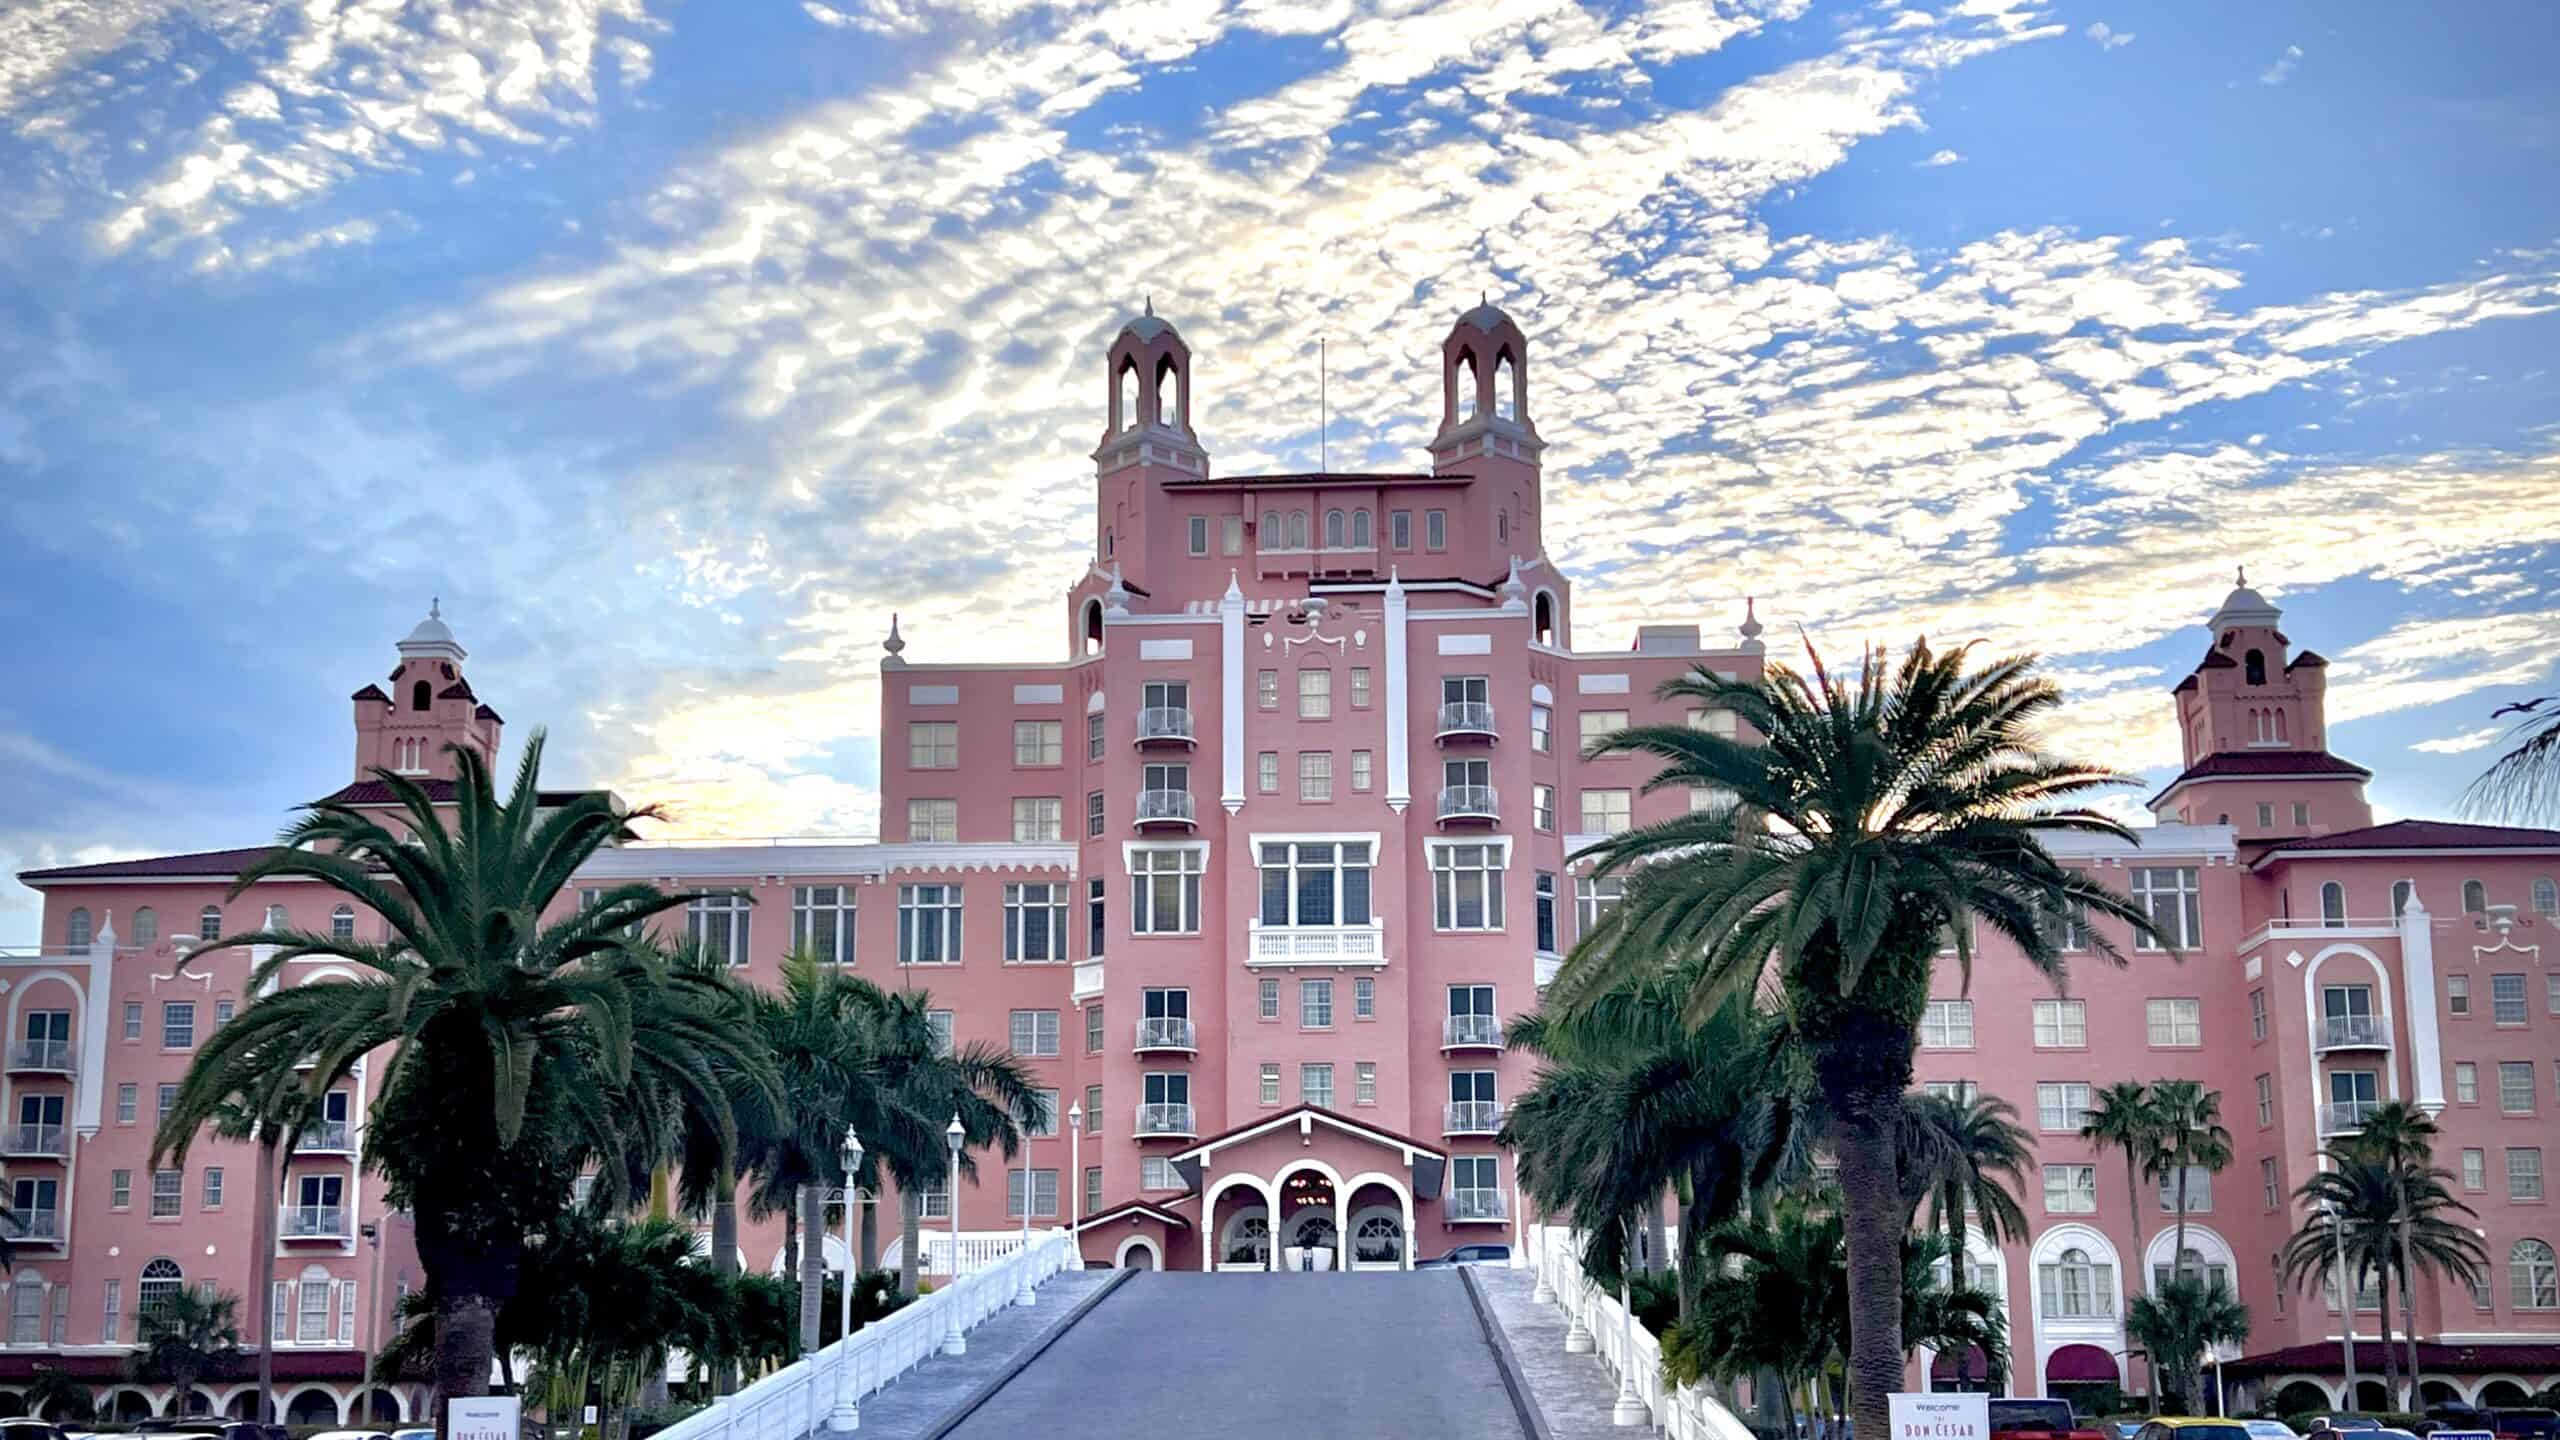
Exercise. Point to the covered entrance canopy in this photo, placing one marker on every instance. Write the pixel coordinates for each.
(1310, 1189)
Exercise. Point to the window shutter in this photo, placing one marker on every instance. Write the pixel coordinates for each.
(346, 1312)
(276, 1331)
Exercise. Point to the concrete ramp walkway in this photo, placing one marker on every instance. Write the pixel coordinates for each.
(1383, 1356)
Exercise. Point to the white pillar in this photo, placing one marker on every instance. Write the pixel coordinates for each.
(1630, 1407)
(1405, 1197)
(1399, 723)
(1341, 1231)
(1231, 632)
(1271, 1203)
(2418, 970)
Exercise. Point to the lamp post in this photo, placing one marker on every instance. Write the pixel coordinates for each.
(1075, 1162)
(372, 1323)
(848, 1411)
(1022, 1264)
(953, 1342)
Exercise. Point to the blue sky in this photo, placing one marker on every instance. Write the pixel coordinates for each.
(674, 346)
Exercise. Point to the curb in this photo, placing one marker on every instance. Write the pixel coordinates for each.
(1533, 1421)
(987, 1389)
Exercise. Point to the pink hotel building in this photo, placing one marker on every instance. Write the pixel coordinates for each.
(1253, 880)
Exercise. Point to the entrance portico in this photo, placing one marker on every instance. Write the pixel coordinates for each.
(1310, 1189)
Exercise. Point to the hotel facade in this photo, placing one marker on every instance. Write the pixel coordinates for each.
(1252, 881)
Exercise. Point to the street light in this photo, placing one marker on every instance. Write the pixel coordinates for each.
(848, 1411)
(953, 1342)
(372, 1322)
(1022, 1267)
(1075, 1162)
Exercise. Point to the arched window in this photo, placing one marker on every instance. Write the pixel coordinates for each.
(2475, 898)
(1124, 397)
(2333, 902)
(1362, 537)
(1333, 529)
(1378, 1240)
(2546, 896)
(2253, 667)
(2402, 892)
(1506, 403)
(1270, 535)
(2532, 1282)
(2075, 1288)
(313, 1308)
(418, 697)
(1297, 529)
(1466, 387)
(78, 930)
(146, 926)
(209, 922)
(1168, 393)
(342, 923)
(1543, 618)
(2284, 732)
(1092, 626)
(276, 918)
(161, 1282)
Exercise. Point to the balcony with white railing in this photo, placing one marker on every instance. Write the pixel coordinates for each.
(2346, 1117)
(1469, 803)
(1166, 1032)
(1472, 1117)
(43, 1142)
(1317, 945)
(1471, 1032)
(1087, 982)
(1166, 807)
(33, 1227)
(311, 1222)
(40, 1057)
(1165, 725)
(1172, 1121)
(1473, 1207)
(1466, 720)
(2354, 1032)
(326, 1137)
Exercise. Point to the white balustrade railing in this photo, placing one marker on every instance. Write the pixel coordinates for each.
(796, 1400)
(1687, 1412)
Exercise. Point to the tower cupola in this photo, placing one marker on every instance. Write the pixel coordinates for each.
(428, 706)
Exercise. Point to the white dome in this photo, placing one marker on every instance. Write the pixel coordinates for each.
(432, 637)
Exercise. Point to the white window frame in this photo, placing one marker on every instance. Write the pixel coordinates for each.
(1164, 888)
(1615, 813)
(1035, 920)
(822, 922)
(930, 924)
(1039, 744)
(2061, 1024)
(1489, 869)
(933, 820)
(2173, 1022)
(1038, 819)
(1947, 1025)
(933, 745)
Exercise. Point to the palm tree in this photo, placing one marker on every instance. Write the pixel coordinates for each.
(1967, 1155)
(707, 1172)
(2523, 783)
(2191, 1138)
(274, 1118)
(2401, 1139)
(922, 1086)
(57, 1397)
(1954, 1317)
(185, 1333)
(520, 1052)
(1879, 814)
(2182, 1320)
(1630, 1103)
(2123, 1116)
(1773, 1296)
(2380, 1218)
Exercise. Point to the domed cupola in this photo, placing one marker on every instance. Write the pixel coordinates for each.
(1149, 380)
(1484, 380)
(2244, 608)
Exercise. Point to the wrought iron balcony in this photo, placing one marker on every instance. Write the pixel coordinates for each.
(2345, 1117)
(1167, 1032)
(1166, 1119)
(2354, 1032)
(1165, 725)
(43, 1057)
(45, 1141)
(1484, 1205)
(1473, 1117)
(1471, 1032)
(1469, 802)
(1165, 807)
(312, 1222)
(326, 1137)
(33, 1227)
(1466, 720)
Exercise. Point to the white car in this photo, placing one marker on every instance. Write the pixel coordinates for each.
(350, 1435)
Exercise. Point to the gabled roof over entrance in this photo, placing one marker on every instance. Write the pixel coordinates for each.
(1135, 1210)
(1302, 1117)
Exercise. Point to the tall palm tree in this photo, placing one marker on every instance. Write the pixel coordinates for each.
(2122, 1115)
(2401, 1139)
(2179, 1323)
(183, 1334)
(1879, 813)
(2391, 1219)
(1967, 1155)
(924, 1085)
(520, 1052)
(1952, 1317)
(1629, 1103)
(273, 1117)
(2191, 1138)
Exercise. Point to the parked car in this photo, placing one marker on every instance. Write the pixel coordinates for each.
(2191, 1427)
(28, 1427)
(350, 1435)
(421, 1433)
(1469, 1255)
(2319, 1423)
(2039, 1420)
(2270, 1430)
(2526, 1422)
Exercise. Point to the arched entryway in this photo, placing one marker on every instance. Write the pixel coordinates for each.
(2371, 1396)
(1965, 1372)
(2502, 1394)
(384, 1408)
(243, 1406)
(1377, 1237)
(2438, 1392)
(1139, 1253)
(2073, 1371)
(128, 1406)
(2301, 1397)
(1310, 1224)
(314, 1406)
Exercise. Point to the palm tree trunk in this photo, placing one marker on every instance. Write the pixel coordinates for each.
(2409, 1299)
(791, 1241)
(910, 1238)
(2137, 1274)
(270, 1178)
(466, 1333)
(2390, 1359)
(2178, 1250)
(724, 1262)
(813, 1265)
(1656, 1237)
(1871, 1211)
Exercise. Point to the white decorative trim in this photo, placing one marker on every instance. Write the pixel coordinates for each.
(1093, 703)
(1600, 684)
(1466, 644)
(1399, 763)
(656, 862)
(1231, 691)
(1164, 649)
(1039, 694)
(919, 695)
(2418, 972)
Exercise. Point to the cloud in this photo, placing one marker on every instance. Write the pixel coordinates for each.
(1941, 158)
(2461, 744)
(2108, 37)
(2282, 70)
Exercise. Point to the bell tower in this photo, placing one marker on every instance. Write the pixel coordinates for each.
(2254, 732)
(1147, 440)
(1486, 432)
(428, 707)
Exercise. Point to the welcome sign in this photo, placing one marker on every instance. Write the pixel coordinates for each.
(1941, 1417)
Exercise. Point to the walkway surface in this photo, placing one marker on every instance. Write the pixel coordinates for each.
(1574, 1392)
(1384, 1356)
(934, 1389)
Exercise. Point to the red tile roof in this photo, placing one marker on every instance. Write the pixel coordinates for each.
(2427, 835)
(1374, 1132)
(371, 692)
(439, 790)
(2263, 764)
(208, 864)
(1320, 477)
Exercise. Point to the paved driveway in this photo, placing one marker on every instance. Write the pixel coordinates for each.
(1394, 1356)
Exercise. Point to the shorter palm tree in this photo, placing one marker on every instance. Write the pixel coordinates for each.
(2191, 1138)
(184, 1334)
(1966, 1156)
(2180, 1322)
(1952, 1316)
(2378, 1218)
